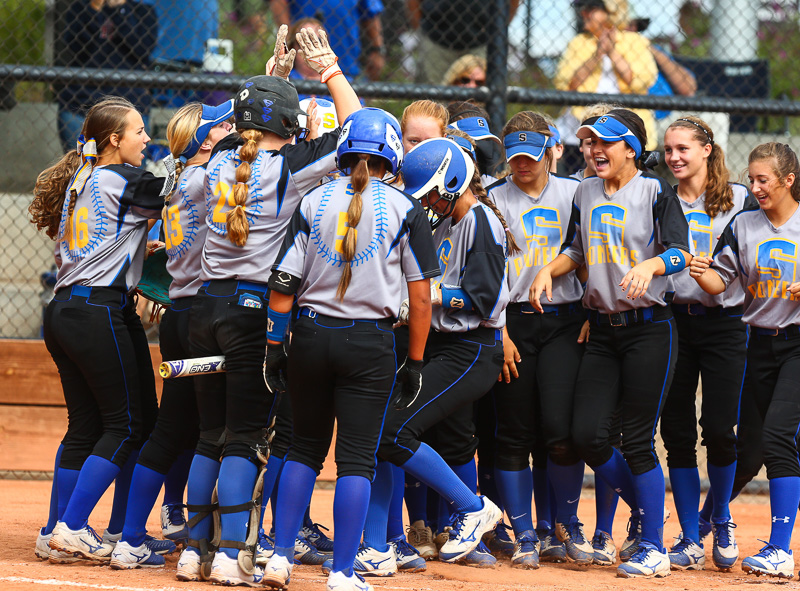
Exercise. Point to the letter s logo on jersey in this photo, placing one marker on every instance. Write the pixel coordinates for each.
(542, 225)
(776, 263)
(444, 250)
(701, 229)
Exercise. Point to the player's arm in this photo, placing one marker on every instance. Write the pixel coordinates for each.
(543, 282)
(419, 317)
(707, 278)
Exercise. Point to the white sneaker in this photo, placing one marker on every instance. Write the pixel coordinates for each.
(370, 561)
(44, 552)
(468, 528)
(407, 557)
(126, 556)
(265, 548)
(338, 581)
(278, 572)
(83, 542)
(189, 566)
(173, 523)
(646, 562)
(771, 561)
(421, 537)
(579, 550)
(110, 540)
(226, 571)
(687, 555)
(605, 552)
(725, 551)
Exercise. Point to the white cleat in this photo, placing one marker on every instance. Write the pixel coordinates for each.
(468, 529)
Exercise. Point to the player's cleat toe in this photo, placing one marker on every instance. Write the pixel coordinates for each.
(306, 553)
(579, 550)
(687, 555)
(126, 556)
(159, 547)
(525, 554)
(373, 562)
(173, 523)
(605, 552)
(646, 562)
(338, 581)
(226, 571)
(44, 552)
(468, 529)
(407, 557)
(725, 551)
(630, 545)
(550, 548)
(84, 542)
(189, 566)
(420, 536)
(278, 572)
(771, 561)
(478, 557)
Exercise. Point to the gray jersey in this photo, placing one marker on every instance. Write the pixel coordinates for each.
(393, 245)
(108, 228)
(613, 233)
(705, 232)
(185, 232)
(278, 181)
(472, 260)
(766, 259)
(539, 226)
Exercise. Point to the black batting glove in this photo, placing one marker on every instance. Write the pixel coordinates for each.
(275, 369)
(409, 383)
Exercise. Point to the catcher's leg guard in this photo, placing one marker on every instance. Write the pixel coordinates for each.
(247, 549)
(207, 546)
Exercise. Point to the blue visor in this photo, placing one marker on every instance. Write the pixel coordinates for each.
(611, 130)
(476, 127)
(527, 143)
(463, 143)
(556, 134)
(211, 116)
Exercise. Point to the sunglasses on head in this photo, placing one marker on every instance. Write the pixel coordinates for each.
(468, 79)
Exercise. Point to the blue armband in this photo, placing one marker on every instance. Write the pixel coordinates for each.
(277, 323)
(455, 297)
(673, 261)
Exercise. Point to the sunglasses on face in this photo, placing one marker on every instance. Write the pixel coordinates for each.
(467, 80)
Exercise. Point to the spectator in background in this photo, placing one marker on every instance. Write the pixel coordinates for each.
(114, 34)
(468, 70)
(449, 29)
(342, 20)
(184, 26)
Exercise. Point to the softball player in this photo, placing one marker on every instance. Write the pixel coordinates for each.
(759, 246)
(542, 351)
(250, 193)
(628, 229)
(192, 133)
(349, 245)
(712, 342)
(96, 203)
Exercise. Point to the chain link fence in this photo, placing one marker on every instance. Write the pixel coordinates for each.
(736, 63)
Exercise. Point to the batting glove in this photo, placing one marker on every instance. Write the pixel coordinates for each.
(402, 315)
(275, 369)
(282, 60)
(409, 383)
(318, 54)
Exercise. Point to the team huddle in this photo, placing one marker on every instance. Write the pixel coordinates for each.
(436, 292)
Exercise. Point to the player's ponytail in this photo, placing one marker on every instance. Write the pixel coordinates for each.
(50, 191)
(181, 130)
(236, 219)
(476, 186)
(358, 181)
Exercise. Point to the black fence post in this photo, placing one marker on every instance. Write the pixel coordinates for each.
(497, 61)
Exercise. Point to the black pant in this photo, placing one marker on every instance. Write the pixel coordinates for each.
(343, 370)
(459, 369)
(714, 348)
(99, 346)
(223, 321)
(178, 425)
(773, 377)
(543, 393)
(630, 368)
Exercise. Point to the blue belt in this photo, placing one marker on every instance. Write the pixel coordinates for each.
(248, 285)
(792, 330)
(709, 311)
(385, 323)
(559, 310)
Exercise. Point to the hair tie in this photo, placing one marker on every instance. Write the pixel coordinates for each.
(650, 159)
(704, 130)
(87, 150)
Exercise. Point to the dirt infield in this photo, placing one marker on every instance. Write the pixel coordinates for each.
(24, 509)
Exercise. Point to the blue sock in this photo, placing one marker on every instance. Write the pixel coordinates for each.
(618, 476)
(294, 495)
(541, 496)
(438, 517)
(721, 479)
(686, 493)
(605, 502)
(199, 488)
(380, 499)
(516, 490)
(708, 506)
(650, 493)
(784, 496)
(65, 482)
(427, 464)
(237, 477)
(175, 482)
(350, 503)
(145, 485)
(122, 489)
(468, 474)
(52, 515)
(487, 484)
(274, 467)
(394, 524)
(567, 482)
(416, 497)
(94, 479)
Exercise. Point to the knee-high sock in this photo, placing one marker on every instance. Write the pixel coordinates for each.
(618, 476)
(487, 484)
(95, 477)
(145, 486)
(686, 493)
(394, 523)
(237, 478)
(427, 464)
(175, 482)
(468, 474)
(516, 491)
(416, 497)
(650, 495)
(708, 506)
(605, 501)
(350, 503)
(122, 489)
(65, 482)
(784, 496)
(541, 496)
(274, 467)
(380, 499)
(721, 480)
(199, 488)
(52, 515)
(294, 494)
(567, 482)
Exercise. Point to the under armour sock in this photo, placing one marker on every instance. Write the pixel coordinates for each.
(468, 474)
(784, 496)
(175, 481)
(94, 479)
(145, 486)
(350, 503)
(416, 497)
(65, 480)
(516, 491)
(686, 494)
(487, 485)
(199, 489)
(721, 480)
(542, 500)
(294, 494)
(650, 493)
(237, 478)
(567, 482)
(394, 523)
(274, 468)
(375, 525)
(605, 502)
(122, 489)
(52, 515)
(428, 465)
(618, 476)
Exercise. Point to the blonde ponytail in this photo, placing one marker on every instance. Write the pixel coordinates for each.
(237, 224)
(358, 180)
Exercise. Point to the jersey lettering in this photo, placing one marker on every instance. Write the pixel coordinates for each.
(443, 254)
(173, 233)
(701, 229)
(341, 230)
(79, 229)
(225, 197)
(776, 262)
(607, 237)
(542, 227)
